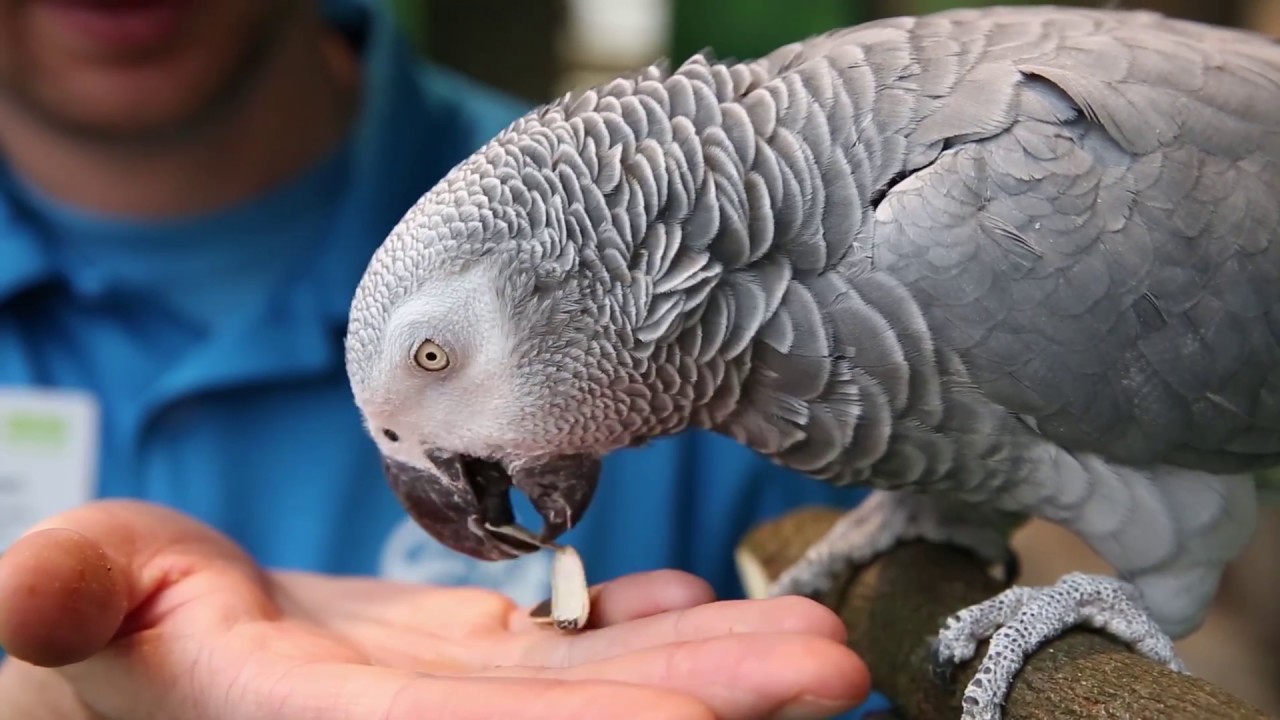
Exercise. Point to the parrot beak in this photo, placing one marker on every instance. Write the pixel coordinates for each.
(465, 503)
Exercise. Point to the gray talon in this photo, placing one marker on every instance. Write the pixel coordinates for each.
(1021, 619)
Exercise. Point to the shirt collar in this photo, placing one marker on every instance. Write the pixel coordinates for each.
(410, 133)
(23, 261)
(400, 145)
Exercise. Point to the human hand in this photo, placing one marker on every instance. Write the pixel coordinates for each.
(142, 612)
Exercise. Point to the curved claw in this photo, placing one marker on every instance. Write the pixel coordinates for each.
(1012, 568)
(1021, 619)
(941, 669)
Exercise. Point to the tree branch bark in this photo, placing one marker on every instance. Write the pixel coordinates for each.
(894, 606)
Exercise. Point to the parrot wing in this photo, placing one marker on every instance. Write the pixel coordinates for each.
(1099, 237)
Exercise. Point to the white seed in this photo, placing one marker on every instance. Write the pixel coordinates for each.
(570, 594)
(570, 605)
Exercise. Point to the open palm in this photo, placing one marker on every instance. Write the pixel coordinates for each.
(148, 614)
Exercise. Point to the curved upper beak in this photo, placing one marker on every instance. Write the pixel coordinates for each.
(465, 503)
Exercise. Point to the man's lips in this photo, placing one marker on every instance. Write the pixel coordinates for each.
(465, 503)
(117, 25)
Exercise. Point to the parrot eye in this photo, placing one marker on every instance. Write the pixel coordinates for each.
(430, 356)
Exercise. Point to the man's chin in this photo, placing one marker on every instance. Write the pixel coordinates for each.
(173, 96)
(123, 106)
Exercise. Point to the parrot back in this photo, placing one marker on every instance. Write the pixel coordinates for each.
(947, 236)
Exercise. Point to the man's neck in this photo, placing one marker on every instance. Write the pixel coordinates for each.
(298, 109)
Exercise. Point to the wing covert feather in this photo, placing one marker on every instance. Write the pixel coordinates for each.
(1109, 262)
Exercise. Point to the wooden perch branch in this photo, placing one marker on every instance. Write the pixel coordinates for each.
(895, 605)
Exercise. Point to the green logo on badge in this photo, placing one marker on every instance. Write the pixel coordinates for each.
(32, 428)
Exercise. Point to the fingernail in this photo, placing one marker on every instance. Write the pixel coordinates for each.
(807, 707)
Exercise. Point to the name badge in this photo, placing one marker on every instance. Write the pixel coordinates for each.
(48, 455)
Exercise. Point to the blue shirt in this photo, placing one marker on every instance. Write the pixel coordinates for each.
(213, 345)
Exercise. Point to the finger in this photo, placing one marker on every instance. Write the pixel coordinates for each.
(393, 622)
(30, 692)
(464, 611)
(787, 614)
(110, 568)
(347, 692)
(737, 676)
(478, 699)
(60, 598)
(631, 597)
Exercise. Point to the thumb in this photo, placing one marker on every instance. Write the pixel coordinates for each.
(83, 578)
(61, 599)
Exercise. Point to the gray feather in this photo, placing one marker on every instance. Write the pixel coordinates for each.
(1026, 256)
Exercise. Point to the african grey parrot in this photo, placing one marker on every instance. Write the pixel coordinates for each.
(993, 263)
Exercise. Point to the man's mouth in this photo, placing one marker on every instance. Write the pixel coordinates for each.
(465, 502)
(118, 25)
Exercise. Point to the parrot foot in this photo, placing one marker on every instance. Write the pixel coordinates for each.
(1020, 619)
(883, 520)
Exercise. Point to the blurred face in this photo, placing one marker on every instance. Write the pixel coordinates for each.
(132, 69)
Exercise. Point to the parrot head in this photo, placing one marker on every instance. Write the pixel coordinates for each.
(481, 357)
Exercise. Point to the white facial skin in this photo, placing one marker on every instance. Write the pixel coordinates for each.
(451, 375)
(459, 399)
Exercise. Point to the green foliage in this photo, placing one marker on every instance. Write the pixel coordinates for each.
(412, 17)
(745, 29)
(920, 7)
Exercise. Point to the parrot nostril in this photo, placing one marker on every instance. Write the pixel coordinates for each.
(390, 434)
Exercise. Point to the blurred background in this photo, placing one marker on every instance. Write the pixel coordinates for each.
(549, 46)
